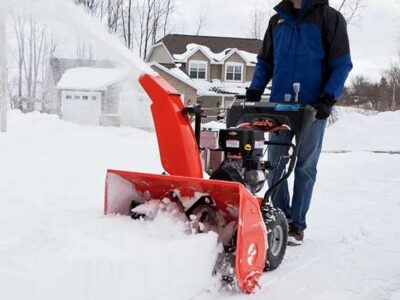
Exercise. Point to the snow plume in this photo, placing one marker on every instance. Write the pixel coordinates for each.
(73, 29)
(69, 20)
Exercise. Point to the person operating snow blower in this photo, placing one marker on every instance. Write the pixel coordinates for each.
(306, 53)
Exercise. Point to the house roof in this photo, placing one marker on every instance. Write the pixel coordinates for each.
(176, 43)
(215, 58)
(60, 65)
(176, 73)
(91, 79)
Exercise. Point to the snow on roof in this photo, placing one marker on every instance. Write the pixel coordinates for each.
(177, 73)
(191, 49)
(217, 88)
(91, 79)
(183, 76)
(251, 57)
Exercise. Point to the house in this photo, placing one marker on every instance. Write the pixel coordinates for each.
(94, 92)
(217, 67)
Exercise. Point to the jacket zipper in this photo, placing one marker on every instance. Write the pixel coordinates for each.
(296, 29)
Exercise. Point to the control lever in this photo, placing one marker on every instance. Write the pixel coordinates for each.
(296, 89)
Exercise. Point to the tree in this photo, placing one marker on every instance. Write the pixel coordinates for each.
(201, 21)
(259, 19)
(153, 19)
(393, 75)
(351, 9)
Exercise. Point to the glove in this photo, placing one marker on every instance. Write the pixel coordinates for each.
(324, 106)
(253, 95)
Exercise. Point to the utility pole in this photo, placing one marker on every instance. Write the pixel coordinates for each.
(3, 68)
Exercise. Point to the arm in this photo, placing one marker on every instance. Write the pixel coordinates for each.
(264, 67)
(339, 63)
(338, 56)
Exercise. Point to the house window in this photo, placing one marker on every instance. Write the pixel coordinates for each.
(85, 97)
(94, 98)
(234, 72)
(68, 97)
(77, 97)
(198, 69)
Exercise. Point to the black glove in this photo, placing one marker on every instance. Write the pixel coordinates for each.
(253, 95)
(324, 106)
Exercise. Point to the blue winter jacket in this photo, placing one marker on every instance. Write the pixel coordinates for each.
(309, 46)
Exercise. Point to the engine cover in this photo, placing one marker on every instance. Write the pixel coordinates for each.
(242, 143)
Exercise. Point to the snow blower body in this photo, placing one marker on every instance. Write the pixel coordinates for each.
(225, 203)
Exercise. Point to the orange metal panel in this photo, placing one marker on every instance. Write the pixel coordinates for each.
(232, 199)
(177, 144)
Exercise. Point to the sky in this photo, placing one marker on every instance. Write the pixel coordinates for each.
(373, 38)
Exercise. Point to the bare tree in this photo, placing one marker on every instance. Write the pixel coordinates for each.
(201, 21)
(393, 76)
(351, 9)
(127, 23)
(152, 21)
(169, 9)
(36, 45)
(19, 28)
(113, 14)
(259, 19)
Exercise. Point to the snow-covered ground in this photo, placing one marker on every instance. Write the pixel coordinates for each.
(56, 244)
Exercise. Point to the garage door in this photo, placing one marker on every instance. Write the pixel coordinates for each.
(81, 107)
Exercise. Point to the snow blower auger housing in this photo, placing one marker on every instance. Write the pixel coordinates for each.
(225, 203)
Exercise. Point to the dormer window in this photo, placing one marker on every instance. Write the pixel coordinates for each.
(234, 72)
(198, 69)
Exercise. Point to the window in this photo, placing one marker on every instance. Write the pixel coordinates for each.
(198, 69)
(234, 72)
(68, 97)
(85, 97)
(77, 97)
(94, 98)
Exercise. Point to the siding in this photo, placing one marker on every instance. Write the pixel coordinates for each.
(249, 73)
(216, 72)
(184, 89)
(160, 55)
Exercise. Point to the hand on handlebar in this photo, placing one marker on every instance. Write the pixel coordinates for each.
(253, 95)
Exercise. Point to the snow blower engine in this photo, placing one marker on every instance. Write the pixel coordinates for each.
(253, 233)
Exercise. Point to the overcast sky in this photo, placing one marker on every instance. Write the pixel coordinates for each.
(373, 39)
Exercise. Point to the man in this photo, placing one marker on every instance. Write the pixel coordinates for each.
(306, 42)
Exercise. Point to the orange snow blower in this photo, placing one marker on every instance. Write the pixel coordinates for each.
(225, 203)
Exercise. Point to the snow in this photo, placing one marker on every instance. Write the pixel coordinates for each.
(357, 131)
(92, 79)
(217, 58)
(56, 244)
(251, 57)
(216, 87)
(193, 48)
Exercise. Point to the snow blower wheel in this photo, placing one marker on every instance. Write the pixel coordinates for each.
(277, 229)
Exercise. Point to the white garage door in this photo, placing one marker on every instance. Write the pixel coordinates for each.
(81, 107)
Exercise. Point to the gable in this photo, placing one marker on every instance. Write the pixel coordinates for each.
(160, 54)
(198, 55)
(236, 58)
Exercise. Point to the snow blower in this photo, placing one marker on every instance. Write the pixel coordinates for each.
(252, 232)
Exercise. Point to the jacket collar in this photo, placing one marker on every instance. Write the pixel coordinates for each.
(286, 10)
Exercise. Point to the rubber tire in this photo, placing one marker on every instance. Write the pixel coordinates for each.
(275, 217)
